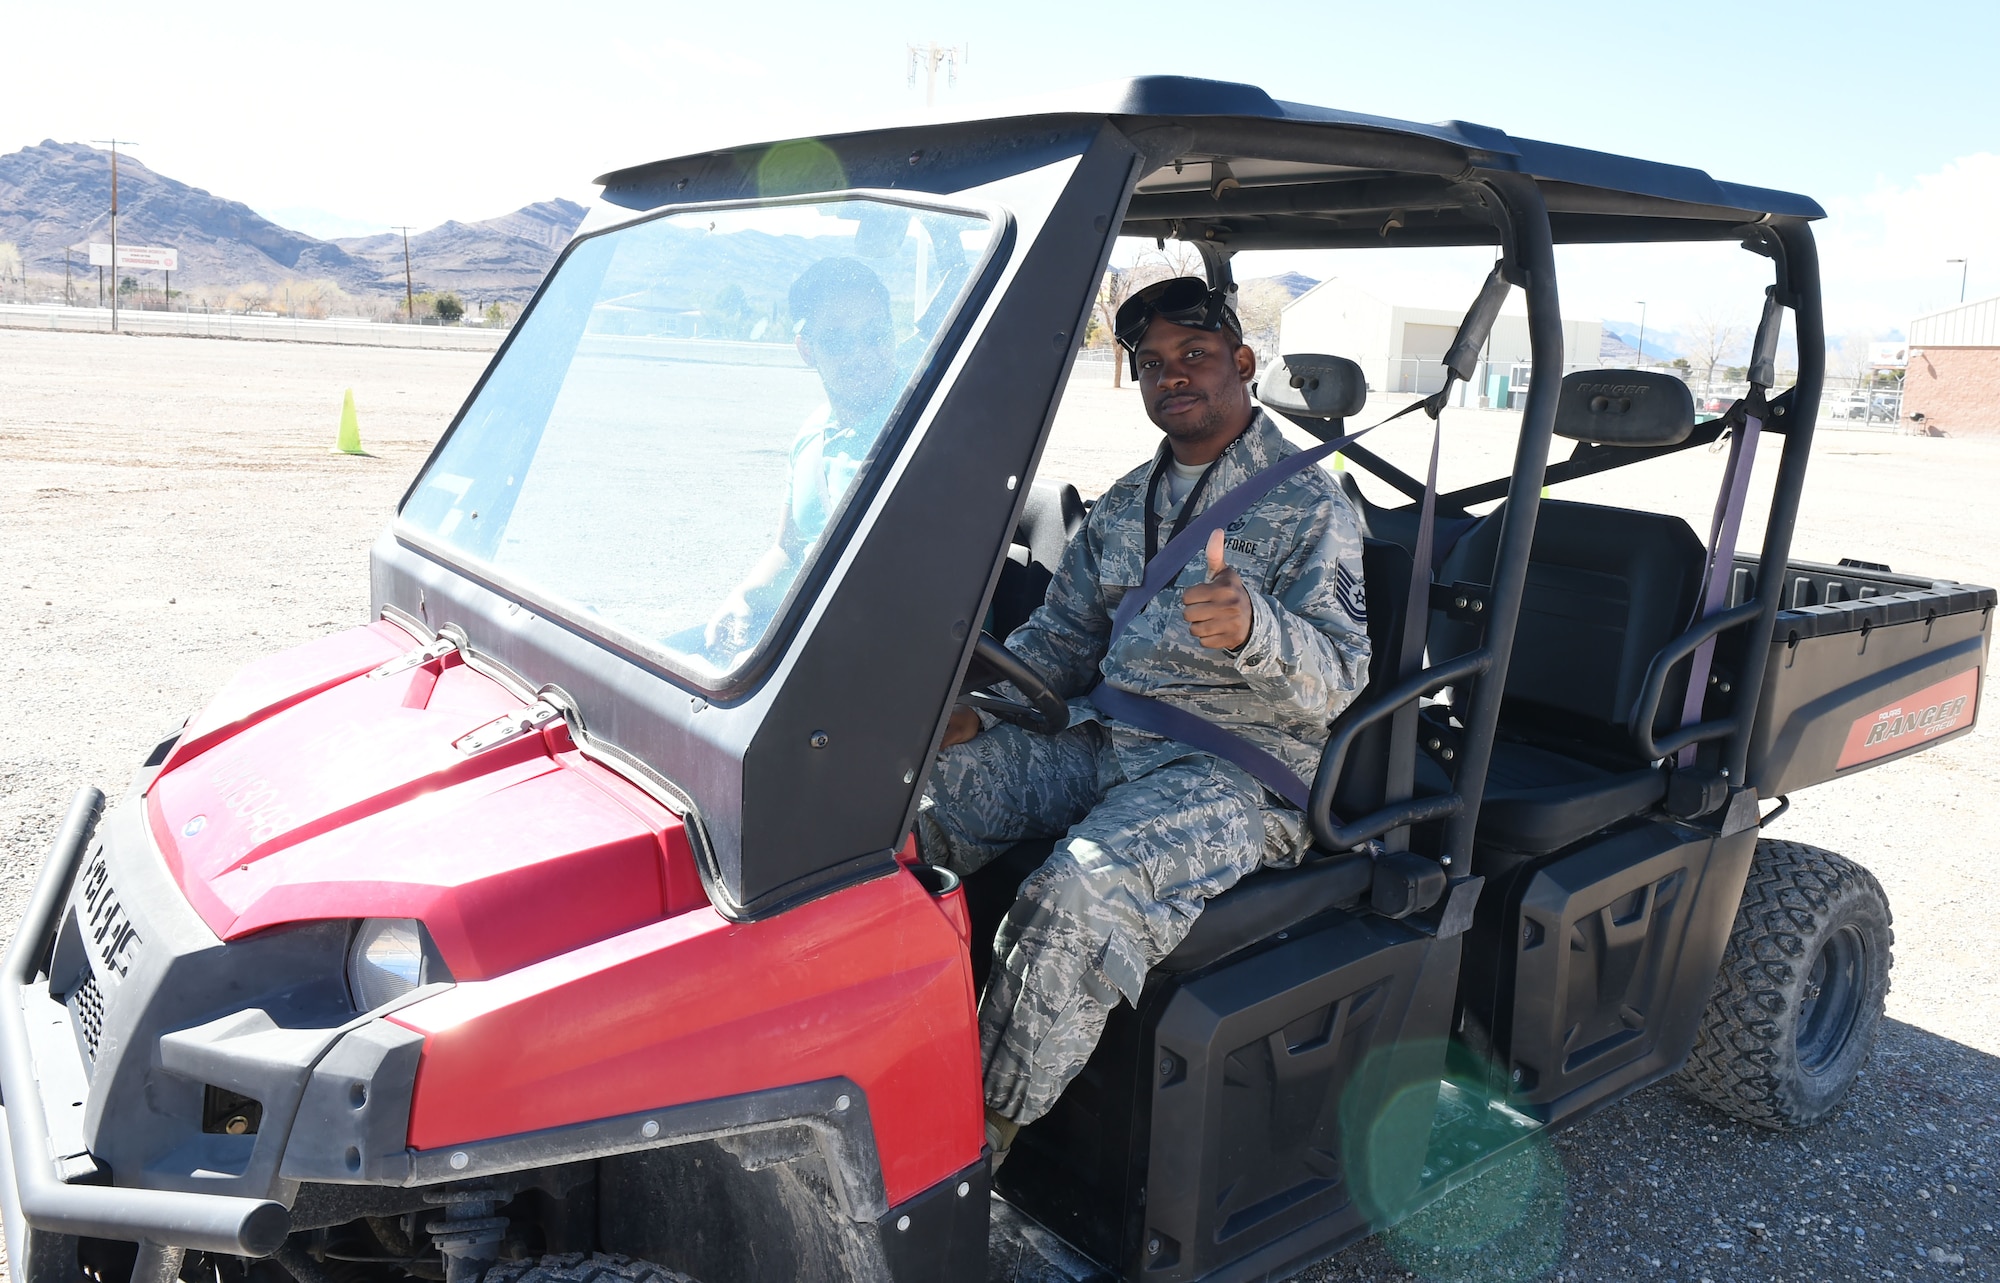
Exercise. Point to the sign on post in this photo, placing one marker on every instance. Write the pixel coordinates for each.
(146, 258)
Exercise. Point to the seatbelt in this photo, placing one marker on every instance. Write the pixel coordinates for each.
(1197, 732)
(1722, 530)
(1728, 518)
(1149, 714)
(1401, 778)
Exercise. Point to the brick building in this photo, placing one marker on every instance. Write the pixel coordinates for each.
(1953, 379)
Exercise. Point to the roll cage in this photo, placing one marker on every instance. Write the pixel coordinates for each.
(809, 779)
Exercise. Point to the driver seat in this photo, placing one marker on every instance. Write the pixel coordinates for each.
(1050, 517)
(1200, 1131)
(1270, 900)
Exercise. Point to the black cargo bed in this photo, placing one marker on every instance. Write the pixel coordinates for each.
(1865, 666)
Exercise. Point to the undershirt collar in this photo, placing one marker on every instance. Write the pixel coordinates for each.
(1181, 478)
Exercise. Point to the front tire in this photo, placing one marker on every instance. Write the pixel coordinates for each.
(1798, 1002)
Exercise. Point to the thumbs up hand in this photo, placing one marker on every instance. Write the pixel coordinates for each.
(1216, 565)
(1218, 611)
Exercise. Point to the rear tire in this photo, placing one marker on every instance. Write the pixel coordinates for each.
(1798, 1002)
(582, 1267)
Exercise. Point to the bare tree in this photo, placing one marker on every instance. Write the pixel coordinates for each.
(1168, 260)
(1711, 339)
(1851, 359)
(1111, 293)
(1260, 305)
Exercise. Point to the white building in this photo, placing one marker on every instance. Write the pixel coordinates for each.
(1399, 348)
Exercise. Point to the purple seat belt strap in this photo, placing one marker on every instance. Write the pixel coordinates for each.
(1166, 565)
(1150, 714)
(1165, 719)
(1721, 561)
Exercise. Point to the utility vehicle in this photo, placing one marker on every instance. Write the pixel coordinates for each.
(563, 921)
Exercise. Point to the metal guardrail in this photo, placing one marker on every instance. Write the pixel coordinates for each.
(232, 325)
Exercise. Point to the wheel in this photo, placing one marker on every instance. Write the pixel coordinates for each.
(581, 1267)
(1798, 1002)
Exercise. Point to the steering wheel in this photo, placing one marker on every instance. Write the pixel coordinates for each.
(1040, 710)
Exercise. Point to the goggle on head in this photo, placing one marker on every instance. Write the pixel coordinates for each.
(1184, 300)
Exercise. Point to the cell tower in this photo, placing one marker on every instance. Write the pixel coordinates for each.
(927, 58)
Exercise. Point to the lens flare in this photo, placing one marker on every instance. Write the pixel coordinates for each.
(807, 165)
(1463, 1185)
(1506, 1223)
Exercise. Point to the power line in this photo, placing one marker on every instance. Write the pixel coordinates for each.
(409, 290)
(114, 222)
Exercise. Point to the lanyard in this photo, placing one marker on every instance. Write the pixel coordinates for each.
(1187, 504)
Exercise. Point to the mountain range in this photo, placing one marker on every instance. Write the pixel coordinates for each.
(54, 196)
(1618, 344)
(1292, 283)
(57, 195)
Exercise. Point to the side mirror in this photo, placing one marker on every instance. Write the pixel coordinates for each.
(1308, 387)
(1624, 407)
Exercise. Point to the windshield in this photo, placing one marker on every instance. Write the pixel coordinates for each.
(672, 434)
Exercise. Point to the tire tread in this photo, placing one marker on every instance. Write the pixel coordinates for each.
(1744, 1062)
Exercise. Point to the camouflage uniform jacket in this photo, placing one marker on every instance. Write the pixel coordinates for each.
(1298, 551)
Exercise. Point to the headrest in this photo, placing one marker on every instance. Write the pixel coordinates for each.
(1624, 407)
(1314, 387)
(1049, 517)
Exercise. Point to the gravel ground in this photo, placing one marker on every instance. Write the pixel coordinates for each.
(171, 510)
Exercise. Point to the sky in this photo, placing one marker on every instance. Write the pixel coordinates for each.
(342, 117)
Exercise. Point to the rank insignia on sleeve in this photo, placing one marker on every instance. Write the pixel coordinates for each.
(1353, 596)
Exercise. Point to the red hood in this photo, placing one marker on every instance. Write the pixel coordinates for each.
(310, 790)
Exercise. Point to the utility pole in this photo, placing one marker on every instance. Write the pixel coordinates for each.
(114, 222)
(930, 57)
(1642, 332)
(1962, 269)
(409, 290)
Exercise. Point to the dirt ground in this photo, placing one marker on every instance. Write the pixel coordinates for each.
(170, 510)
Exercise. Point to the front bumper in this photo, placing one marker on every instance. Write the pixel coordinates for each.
(32, 1192)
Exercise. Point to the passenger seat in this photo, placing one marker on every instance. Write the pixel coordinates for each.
(1607, 588)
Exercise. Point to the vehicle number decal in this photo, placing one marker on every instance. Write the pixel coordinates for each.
(1934, 711)
(104, 919)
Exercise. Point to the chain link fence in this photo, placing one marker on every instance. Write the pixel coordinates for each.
(236, 325)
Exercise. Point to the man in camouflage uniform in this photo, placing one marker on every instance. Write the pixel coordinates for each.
(1266, 637)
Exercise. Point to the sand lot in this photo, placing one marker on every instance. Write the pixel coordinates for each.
(170, 509)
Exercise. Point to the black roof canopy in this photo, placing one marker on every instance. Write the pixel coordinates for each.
(1230, 164)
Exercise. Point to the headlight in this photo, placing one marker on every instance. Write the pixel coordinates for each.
(389, 958)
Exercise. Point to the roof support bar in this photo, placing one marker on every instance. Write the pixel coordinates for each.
(1798, 276)
(1536, 261)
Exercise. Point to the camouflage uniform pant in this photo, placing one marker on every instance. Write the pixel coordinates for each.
(1136, 862)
